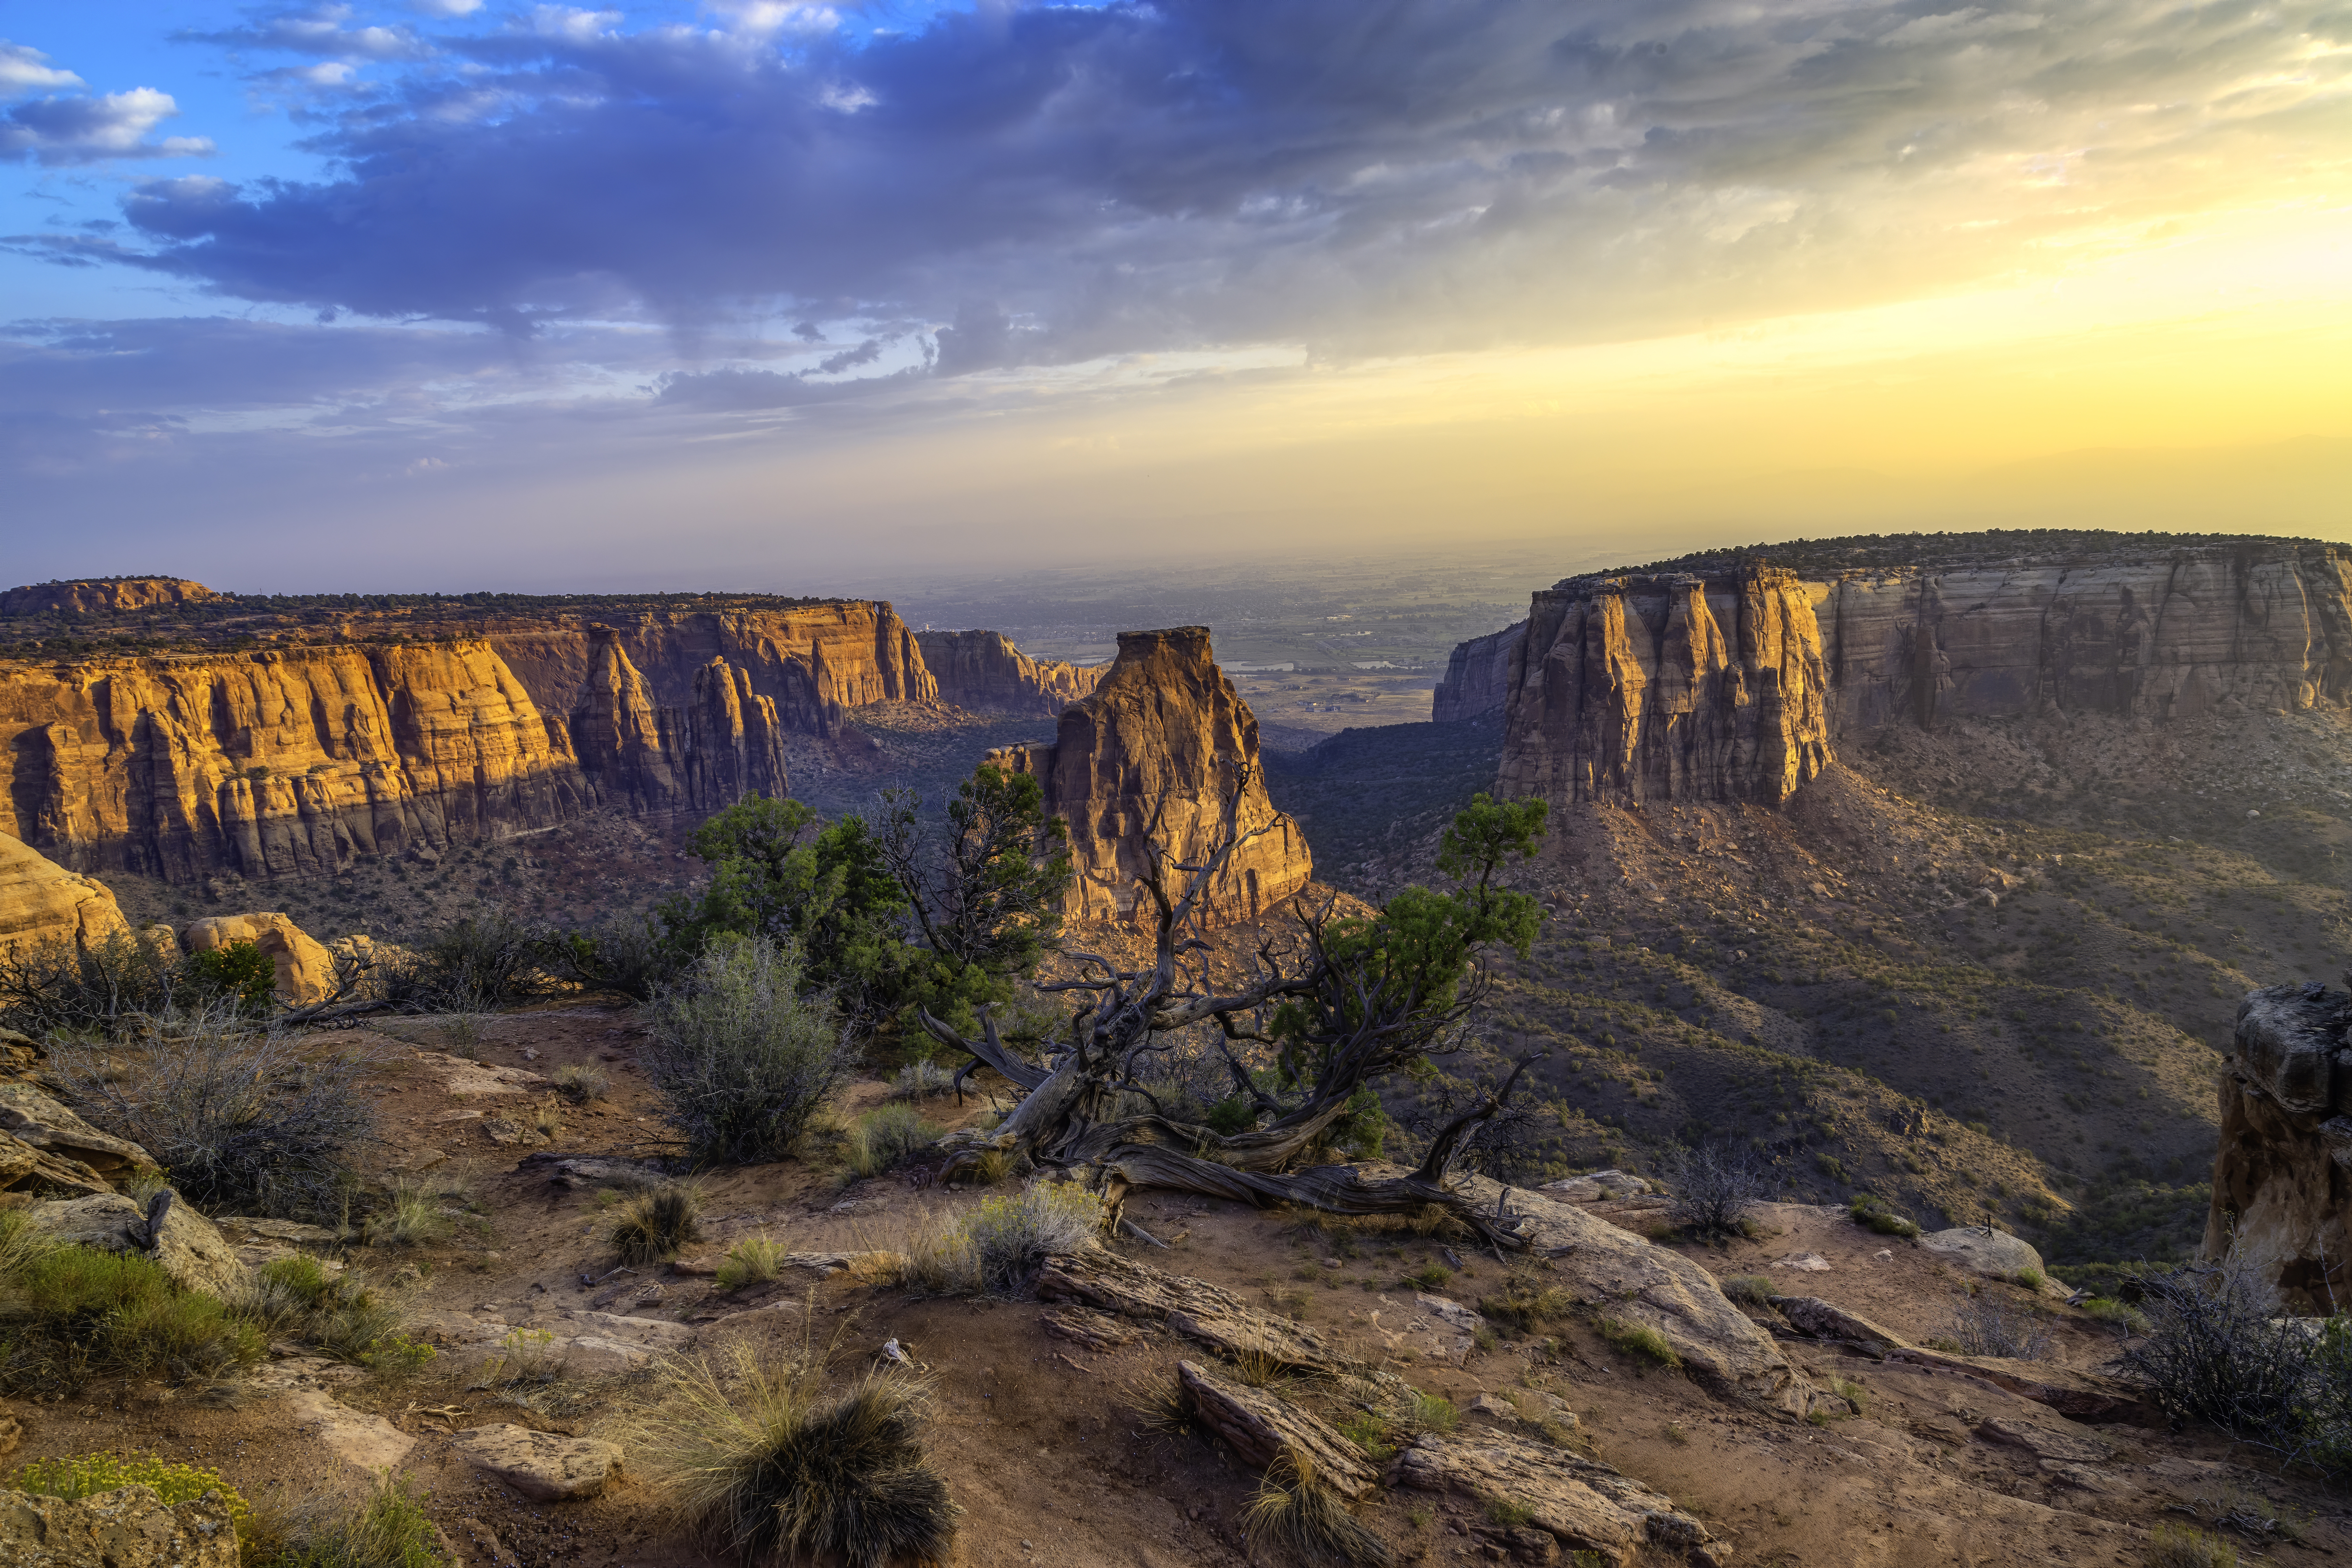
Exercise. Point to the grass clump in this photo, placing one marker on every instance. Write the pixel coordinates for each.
(1751, 1290)
(1429, 1276)
(1002, 1242)
(754, 1260)
(2173, 1545)
(411, 1215)
(886, 1137)
(765, 1461)
(1640, 1340)
(1526, 1302)
(71, 1312)
(921, 1080)
(248, 1120)
(1296, 1514)
(1876, 1213)
(390, 1530)
(580, 1082)
(653, 1224)
(742, 1058)
(2127, 1318)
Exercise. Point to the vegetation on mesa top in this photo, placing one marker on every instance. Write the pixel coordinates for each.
(1820, 557)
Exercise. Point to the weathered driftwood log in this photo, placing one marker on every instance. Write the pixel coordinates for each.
(1261, 1427)
(1584, 1504)
(1096, 1330)
(1197, 1309)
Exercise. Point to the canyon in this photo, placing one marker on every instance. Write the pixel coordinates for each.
(1152, 758)
(984, 671)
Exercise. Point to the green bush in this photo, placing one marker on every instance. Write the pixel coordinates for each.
(1876, 1213)
(886, 1137)
(742, 1057)
(1234, 1114)
(1751, 1290)
(297, 1299)
(238, 973)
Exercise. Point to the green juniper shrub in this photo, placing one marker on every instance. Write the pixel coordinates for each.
(1876, 1213)
(239, 974)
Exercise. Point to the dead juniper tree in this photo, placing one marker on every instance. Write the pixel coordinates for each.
(1340, 1004)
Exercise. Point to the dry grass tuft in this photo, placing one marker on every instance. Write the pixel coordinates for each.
(768, 1463)
(1297, 1513)
(652, 1225)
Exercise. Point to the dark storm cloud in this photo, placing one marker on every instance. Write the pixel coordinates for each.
(1204, 170)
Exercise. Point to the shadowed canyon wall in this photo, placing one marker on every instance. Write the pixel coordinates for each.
(984, 672)
(293, 758)
(1740, 683)
(1477, 679)
(1164, 733)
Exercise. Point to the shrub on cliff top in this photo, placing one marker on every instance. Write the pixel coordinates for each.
(741, 1057)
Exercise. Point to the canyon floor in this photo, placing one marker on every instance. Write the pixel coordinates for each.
(1039, 1437)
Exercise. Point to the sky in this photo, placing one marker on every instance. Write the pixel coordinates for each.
(452, 294)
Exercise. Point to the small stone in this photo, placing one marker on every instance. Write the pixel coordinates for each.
(529, 1054)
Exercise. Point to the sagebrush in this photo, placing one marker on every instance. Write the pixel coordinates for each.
(741, 1058)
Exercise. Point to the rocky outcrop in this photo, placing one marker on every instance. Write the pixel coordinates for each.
(1668, 686)
(1477, 680)
(129, 1527)
(189, 1247)
(984, 672)
(103, 596)
(2283, 1176)
(1737, 681)
(306, 970)
(1152, 756)
(42, 904)
(296, 759)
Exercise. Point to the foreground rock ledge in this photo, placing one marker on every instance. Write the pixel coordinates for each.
(1585, 1505)
(131, 1527)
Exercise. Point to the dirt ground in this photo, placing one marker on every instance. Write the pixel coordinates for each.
(1040, 1440)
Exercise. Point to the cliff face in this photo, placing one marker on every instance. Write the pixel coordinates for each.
(294, 758)
(1164, 733)
(2284, 1175)
(1739, 684)
(42, 902)
(2258, 625)
(103, 596)
(984, 672)
(1667, 687)
(1477, 677)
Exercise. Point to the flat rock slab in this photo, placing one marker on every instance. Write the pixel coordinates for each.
(1811, 1316)
(2042, 1442)
(459, 1076)
(362, 1441)
(541, 1466)
(1584, 1505)
(129, 1527)
(1261, 1427)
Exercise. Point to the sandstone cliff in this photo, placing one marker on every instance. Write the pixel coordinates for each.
(294, 758)
(1738, 681)
(1671, 686)
(42, 902)
(103, 596)
(2282, 1178)
(984, 672)
(1164, 734)
(1477, 677)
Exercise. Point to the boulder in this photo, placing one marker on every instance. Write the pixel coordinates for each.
(42, 904)
(363, 1441)
(34, 1118)
(192, 1251)
(1583, 1504)
(543, 1465)
(1997, 1255)
(306, 970)
(1811, 1316)
(131, 1527)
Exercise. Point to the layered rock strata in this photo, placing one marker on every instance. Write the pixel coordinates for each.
(1671, 686)
(984, 672)
(1146, 766)
(1477, 679)
(1738, 684)
(2283, 1176)
(295, 759)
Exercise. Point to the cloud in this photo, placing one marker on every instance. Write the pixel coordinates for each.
(28, 71)
(58, 131)
(321, 30)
